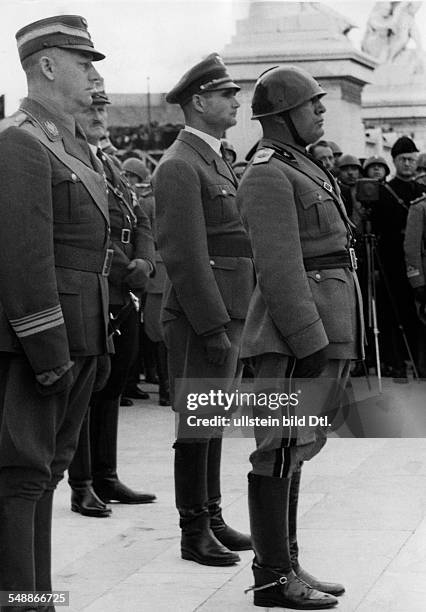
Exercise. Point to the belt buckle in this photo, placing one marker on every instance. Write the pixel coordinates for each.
(354, 261)
(107, 262)
(125, 236)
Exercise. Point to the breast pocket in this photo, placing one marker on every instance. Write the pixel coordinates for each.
(68, 204)
(220, 206)
(318, 213)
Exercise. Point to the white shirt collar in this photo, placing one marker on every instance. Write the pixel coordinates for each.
(213, 142)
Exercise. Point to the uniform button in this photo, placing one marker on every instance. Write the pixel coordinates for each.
(212, 262)
(224, 191)
(74, 177)
(318, 276)
(107, 190)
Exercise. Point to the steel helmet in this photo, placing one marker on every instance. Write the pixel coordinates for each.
(281, 89)
(348, 160)
(376, 159)
(136, 166)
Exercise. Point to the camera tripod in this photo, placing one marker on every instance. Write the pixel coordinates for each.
(372, 258)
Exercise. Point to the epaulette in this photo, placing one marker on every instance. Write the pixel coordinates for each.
(15, 120)
(284, 155)
(262, 156)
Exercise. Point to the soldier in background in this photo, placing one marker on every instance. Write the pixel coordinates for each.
(322, 152)
(96, 458)
(54, 239)
(153, 351)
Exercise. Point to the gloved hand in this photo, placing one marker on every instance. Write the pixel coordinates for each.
(217, 347)
(140, 270)
(55, 380)
(311, 366)
(103, 370)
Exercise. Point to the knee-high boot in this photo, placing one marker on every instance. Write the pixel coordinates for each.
(325, 587)
(17, 566)
(163, 374)
(276, 584)
(103, 445)
(83, 497)
(232, 539)
(198, 542)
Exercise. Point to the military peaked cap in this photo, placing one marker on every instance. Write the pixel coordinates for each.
(64, 31)
(208, 75)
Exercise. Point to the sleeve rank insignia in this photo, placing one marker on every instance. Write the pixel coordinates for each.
(262, 156)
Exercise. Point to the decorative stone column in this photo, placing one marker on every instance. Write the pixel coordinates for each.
(309, 35)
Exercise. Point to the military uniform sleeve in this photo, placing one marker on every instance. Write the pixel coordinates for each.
(28, 287)
(182, 242)
(144, 241)
(266, 200)
(415, 235)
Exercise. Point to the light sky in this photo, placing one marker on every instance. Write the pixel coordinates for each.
(158, 39)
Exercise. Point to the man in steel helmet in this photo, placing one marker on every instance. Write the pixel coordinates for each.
(303, 320)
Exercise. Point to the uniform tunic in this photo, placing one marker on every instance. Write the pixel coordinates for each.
(292, 210)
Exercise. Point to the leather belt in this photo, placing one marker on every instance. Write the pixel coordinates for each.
(340, 259)
(221, 246)
(85, 260)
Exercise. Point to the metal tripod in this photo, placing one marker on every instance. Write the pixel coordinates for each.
(372, 257)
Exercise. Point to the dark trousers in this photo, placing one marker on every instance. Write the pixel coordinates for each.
(100, 455)
(38, 437)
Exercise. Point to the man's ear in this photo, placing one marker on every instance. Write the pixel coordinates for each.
(198, 103)
(48, 67)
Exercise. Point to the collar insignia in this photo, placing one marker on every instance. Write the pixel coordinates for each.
(327, 186)
(51, 129)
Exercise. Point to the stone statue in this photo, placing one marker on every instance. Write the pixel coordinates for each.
(390, 28)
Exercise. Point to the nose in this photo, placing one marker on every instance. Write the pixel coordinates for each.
(94, 74)
(236, 104)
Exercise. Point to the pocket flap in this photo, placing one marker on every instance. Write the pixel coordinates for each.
(220, 190)
(64, 175)
(320, 276)
(223, 263)
(309, 198)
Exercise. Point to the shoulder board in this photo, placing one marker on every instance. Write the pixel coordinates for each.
(284, 155)
(15, 120)
(262, 156)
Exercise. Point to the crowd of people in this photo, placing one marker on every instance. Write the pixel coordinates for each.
(215, 265)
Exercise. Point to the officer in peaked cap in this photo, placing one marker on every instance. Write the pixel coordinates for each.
(207, 256)
(132, 265)
(302, 320)
(208, 75)
(54, 259)
(63, 31)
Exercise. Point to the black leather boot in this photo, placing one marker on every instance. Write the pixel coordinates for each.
(17, 571)
(326, 587)
(111, 489)
(85, 501)
(103, 445)
(229, 537)
(83, 498)
(276, 584)
(198, 543)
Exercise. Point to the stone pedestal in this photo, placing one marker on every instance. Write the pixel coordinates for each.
(309, 35)
(394, 104)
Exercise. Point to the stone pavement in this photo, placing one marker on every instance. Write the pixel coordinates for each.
(362, 522)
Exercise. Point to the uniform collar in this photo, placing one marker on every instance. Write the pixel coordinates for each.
(213, 142)
(67, 121)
